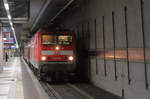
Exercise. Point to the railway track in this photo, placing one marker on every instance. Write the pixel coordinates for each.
(65, 91)
(50, 91)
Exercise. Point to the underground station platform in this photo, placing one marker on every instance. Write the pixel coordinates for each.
(17, 81)
(74, 49)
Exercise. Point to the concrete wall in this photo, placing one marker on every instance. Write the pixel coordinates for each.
(101, 31)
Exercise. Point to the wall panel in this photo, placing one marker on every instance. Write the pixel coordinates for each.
(108, 31)
(134, 24)
(127, 27)
(99, 33)
(120, 34)
(92, 35)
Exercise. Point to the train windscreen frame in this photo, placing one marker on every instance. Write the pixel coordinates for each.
(51, 39)
(64, 39)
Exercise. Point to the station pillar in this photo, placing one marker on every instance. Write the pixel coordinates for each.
(1, 49)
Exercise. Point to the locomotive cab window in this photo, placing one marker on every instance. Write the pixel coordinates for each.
(49, 39)
(65, 39)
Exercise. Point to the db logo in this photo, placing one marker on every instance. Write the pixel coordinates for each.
(57, 52)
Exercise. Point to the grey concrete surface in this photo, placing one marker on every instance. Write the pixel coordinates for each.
(1, 49)
(32, 87)
(17, 82)
(8, 78)
(91, 10)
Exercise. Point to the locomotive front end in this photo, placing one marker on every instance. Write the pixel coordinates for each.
(58, 52)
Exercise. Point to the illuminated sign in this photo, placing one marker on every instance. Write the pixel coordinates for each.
(11, 41)
(13, 46)
(7, 35)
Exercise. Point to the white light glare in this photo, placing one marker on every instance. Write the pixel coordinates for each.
(57, 48)
(17, 46)
(11, 24)
(6, 6)
(43, 58)
(13, 29)
(9, 17)
(4, 38)
(71, 58)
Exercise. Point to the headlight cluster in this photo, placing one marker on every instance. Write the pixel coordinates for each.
(57, 48)
(71, 58)
(43, 58)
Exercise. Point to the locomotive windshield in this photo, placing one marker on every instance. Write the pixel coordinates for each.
(49, 39)
(65, 40)
(57, 39)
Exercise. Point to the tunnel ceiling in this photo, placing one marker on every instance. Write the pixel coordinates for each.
(46, 13)
(30, 15)
(19, 10)
(49, 11)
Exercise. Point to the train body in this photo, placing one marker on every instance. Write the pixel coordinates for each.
(50, 52)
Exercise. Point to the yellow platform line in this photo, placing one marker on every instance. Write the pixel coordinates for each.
(19, 89)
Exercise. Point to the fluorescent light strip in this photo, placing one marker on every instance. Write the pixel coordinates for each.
(10, 20)
(13, 28)
(15, 36)
(9, 17)
(6, 6)
(11, 24)
(16, 39)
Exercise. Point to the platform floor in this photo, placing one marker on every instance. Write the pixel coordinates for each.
(16, 82)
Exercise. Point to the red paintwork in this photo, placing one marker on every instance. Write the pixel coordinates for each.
(36, 48)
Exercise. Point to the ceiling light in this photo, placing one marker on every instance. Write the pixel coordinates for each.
(9, 17)
(13, 28)
(6, 6)
(11, 23)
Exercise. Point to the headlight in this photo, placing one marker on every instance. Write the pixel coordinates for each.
(57, 48)
(71, 58)
(43, 58)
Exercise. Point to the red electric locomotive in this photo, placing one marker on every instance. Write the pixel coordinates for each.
(52, 52)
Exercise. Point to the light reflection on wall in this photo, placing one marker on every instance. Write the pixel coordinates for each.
(121, 54)
(134, 54)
